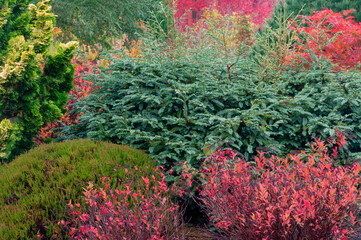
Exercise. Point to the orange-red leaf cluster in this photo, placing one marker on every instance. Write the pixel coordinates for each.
(335, 36)
(297, 197)
(126, 213)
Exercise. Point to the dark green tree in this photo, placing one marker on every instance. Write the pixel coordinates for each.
(95, 21)
(336, 5)
(30, 97)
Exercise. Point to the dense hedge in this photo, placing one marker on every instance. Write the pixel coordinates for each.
(37, 186)
(180, 109)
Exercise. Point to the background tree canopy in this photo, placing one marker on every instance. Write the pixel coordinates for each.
(316, 5)
(94, 21)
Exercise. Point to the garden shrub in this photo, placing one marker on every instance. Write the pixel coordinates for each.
(180, 102)
(334, 36)
(122, 214)
(9, 135)
(274, 47)
(85, 60)
(81, 88)
(302, 196)
(36, 187)
(239, 28)
(29, 96)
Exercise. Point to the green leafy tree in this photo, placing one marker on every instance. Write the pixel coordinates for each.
(30, 97)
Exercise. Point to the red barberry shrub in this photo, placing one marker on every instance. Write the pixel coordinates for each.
(297, 197)
(334, 36)
(189, 11)
(137, 210)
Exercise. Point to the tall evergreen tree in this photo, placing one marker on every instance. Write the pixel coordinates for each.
(30, 96)
(94, 21)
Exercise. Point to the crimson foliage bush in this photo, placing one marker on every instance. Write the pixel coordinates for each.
(127, 213)
(297, 197)
(334, 36)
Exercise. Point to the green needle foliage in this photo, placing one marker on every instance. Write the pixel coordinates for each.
(96, 21)
(30, 98)
(182, 102)
(36, 187)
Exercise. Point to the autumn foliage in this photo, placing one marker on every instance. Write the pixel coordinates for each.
(127, 213)
(297, 197)
(189, 11)
(335, 36)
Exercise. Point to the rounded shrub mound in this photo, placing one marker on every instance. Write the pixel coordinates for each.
(37, 186)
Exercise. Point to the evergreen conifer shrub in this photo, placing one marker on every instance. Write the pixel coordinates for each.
(29, 96)
(178, 106)
(36, 187)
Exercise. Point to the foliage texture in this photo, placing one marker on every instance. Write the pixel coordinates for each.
(30, 97)
(180, 104)
(94, 21)
(334, 36)
(36, 186)
(302, 196)
(86, 61)
(189, 11)
(124, 213)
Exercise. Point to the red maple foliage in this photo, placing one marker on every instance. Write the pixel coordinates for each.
(335, 36)
(189, 11)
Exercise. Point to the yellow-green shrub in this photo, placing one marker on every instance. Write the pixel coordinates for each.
(36, 187)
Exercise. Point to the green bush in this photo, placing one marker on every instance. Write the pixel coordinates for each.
(29, 97)
(183, 101)
(177, 110)
(36, 187)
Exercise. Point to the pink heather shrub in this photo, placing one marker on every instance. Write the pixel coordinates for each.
(146, 213)
(296, 197)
